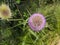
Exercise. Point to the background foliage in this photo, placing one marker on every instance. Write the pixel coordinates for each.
(17, 31)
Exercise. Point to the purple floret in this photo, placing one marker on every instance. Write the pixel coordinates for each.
(37, 22)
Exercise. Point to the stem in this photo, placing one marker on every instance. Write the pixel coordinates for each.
(12, 19)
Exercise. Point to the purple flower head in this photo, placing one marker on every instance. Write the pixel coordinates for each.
(37, 22)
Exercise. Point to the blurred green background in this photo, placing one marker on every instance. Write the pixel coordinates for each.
(17, 31)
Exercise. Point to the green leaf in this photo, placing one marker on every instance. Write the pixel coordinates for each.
(18, 1)
(6, 33)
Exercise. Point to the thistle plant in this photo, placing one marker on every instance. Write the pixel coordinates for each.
(37, 22)
(5, 11)
(34, 22)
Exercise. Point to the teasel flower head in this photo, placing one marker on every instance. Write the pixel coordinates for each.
(5, 12)
(37, 22)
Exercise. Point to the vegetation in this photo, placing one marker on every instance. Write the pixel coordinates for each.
(16, 31)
